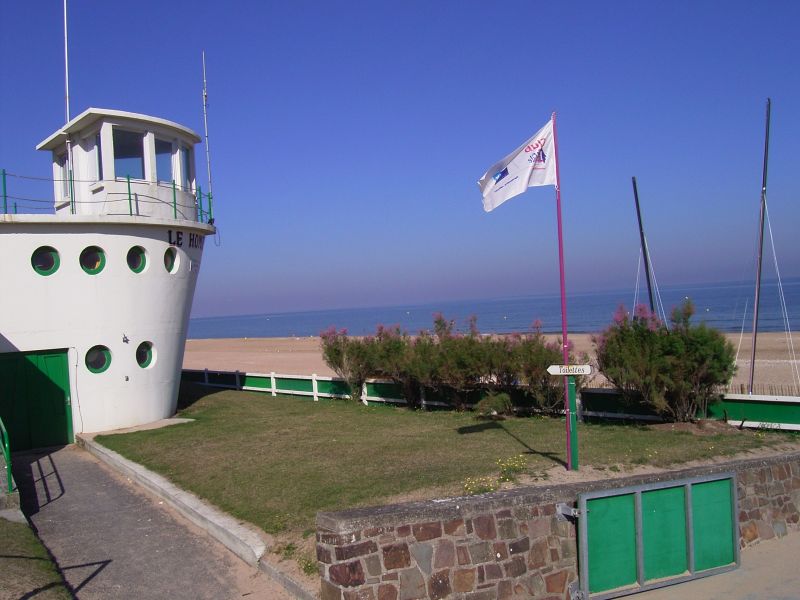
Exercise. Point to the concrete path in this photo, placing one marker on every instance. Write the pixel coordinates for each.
(111, 540)
(769, 570)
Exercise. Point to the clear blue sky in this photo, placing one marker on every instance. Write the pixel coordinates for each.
(347, 137)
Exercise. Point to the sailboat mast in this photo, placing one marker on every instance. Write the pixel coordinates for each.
(760, 251)
(644, 247)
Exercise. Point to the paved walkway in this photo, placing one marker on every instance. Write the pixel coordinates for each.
(769, 571)
(111, 540)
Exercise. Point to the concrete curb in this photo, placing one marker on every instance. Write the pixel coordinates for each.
(244, 542)
(14, 515)
(289, 584)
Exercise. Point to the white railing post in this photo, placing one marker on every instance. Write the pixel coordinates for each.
(364, 394)
(422, 396)
(314, 387)
(272, 383)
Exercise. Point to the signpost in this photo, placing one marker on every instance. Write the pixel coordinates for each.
(569, 372)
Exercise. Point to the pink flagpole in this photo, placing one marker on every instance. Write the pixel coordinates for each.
(565, 342)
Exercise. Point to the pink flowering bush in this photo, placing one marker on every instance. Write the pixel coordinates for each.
(676, 372)
(352, 359)
(453, 365)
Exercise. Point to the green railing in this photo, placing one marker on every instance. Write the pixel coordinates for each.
(203, 209)
(6, 455)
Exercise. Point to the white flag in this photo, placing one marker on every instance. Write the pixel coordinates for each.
(533, 163)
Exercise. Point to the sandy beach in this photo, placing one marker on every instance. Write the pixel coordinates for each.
(302, 356)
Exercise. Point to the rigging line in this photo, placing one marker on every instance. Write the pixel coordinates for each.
(659, 302)
(741, 333)
(636, 288)
(784, 310)
(741, 285)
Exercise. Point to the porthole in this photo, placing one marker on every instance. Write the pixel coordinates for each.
(171, 260)
(93, 259)
(98, 359)
(45, 260)
(137, 259)
(145, 354)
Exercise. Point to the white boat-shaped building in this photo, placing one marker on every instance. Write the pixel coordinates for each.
(96, 297)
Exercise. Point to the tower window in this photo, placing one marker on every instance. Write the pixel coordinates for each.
(128, 154)
(92, 260)
(164, 160)
(45, 260)
(98, 359)
(137, 259)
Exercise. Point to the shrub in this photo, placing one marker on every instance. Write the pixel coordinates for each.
(393, 358)
(495, 405)
(453, 364)
(351, 359)
(631, 356)
(677, 372)
(535, 355)
(701, 362)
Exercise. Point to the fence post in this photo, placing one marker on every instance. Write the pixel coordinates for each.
(315, 387)
(364, 394)
(210, 207)
(5, 197)
(422, 396)
(272, 382)
(174, 201)
(130, 203)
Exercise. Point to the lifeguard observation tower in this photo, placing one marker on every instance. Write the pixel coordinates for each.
(97, 295)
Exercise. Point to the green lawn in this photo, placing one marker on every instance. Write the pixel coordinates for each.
(26, 570)
(276, 461)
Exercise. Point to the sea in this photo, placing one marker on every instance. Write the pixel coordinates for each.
(724, 306)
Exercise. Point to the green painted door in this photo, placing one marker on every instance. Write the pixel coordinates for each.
(612, 542)
(34, 398)
(643, 536)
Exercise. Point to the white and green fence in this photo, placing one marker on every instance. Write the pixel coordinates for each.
(762, 411)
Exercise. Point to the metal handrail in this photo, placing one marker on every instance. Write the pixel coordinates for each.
(6, 455)
(204, 214)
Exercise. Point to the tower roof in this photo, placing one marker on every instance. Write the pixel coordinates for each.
(92, 115)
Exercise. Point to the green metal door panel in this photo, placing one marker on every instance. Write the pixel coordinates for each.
(34, 399)
(664, 533)
(712, 524)
(612, 542)
(48, 394)
(14, 412)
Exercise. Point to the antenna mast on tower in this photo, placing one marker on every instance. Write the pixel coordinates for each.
(66, 109)
(205, 124)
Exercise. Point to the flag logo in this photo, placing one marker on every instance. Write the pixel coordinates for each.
(498, 176)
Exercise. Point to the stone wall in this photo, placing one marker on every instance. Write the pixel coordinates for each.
(510, 544)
